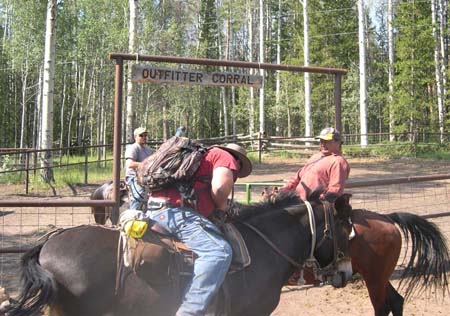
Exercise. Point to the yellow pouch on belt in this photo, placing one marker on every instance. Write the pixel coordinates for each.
(135, 228)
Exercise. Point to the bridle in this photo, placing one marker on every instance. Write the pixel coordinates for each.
(328, 233)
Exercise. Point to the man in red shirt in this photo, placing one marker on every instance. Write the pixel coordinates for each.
(213, 182)
(325, 171)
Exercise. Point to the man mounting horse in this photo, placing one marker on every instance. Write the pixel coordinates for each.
(213, 183)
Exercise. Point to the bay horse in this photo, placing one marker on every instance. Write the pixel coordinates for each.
(73, 272)
(375, 251)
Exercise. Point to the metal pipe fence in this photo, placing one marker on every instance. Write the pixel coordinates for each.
(23, 222)
(21, 166)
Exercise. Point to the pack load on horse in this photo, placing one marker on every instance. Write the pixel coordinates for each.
(79, 280)
(375, 247)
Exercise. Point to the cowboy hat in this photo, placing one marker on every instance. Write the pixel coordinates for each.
(239, 153)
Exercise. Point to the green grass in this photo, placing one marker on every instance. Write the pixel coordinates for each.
(63, 174)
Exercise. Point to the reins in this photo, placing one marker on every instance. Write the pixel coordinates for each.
(328, 233)
(271, 244)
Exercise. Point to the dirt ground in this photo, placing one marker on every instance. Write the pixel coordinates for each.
(325, 300)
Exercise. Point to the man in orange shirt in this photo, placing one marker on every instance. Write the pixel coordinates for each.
(325, 172)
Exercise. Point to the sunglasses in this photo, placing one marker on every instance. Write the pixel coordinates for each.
(143, 135)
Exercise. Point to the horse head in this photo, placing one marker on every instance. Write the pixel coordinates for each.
(330, 228)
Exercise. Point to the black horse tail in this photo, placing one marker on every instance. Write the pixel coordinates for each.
(37, 286)
(430, 258)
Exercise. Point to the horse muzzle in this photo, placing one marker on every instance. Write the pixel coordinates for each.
(343, 273)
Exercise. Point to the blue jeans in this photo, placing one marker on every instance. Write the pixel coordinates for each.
(214, 255)
(138, 194)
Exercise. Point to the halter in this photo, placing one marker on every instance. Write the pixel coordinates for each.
(328, 233)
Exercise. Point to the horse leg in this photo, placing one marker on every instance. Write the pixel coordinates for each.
(395, 300)
(100, 215)
(378, 296)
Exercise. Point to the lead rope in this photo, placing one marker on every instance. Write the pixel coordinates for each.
(312, 226)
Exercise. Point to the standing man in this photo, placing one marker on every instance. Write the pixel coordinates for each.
(134, 155)
(326, 172)
(213, 182)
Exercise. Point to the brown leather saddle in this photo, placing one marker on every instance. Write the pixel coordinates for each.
(157, 239)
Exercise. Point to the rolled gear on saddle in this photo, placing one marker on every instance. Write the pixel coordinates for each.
(134, 223)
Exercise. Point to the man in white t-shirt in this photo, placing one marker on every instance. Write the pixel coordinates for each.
(134, 155)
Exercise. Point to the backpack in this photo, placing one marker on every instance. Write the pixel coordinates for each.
(173, 164)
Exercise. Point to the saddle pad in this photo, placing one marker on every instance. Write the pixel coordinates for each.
(241, 256)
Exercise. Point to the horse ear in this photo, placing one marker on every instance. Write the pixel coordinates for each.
(343, 202)
(314, 194)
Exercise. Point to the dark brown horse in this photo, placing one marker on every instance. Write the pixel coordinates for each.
(105, 192)
(74, 272)
(375, 250)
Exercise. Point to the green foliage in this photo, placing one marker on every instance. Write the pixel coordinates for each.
(414, 67)
(87, 31)
(400, 150)
(396, 150)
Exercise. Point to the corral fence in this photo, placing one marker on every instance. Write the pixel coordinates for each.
(21, 225)
(19, 166)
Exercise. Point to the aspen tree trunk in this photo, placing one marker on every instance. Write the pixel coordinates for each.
(81, 107)
(251, 104)
(261, 71)
(277, 83)
(362, 74)
(443, 7)
(132, 47)
(233, 90)
(37, 120)
(23, 120)
(437, 67)
(391, 68)
(75, 102)
(226, 57)
(308, 121)
(47, 93)
(62, 114)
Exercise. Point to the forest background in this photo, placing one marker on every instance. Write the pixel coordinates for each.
(405, 74)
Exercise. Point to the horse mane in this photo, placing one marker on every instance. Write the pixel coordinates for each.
(282, 200)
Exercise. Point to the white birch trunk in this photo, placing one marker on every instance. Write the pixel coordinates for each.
(47, 92)
(277, 83)
(362, 74)
(437, 68)
(37, 120)
(251, 104)
(443, 7)
(223, 89)
(391, 68)
(308, 121)
(132, 47)
(261, 71)
(23, 121)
